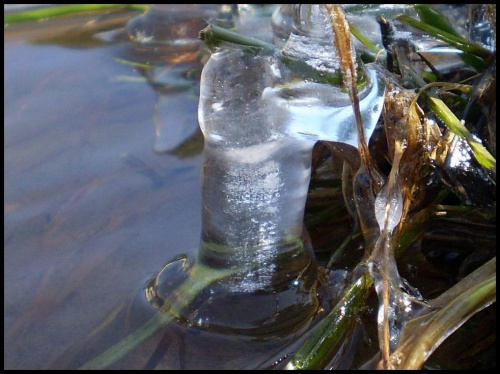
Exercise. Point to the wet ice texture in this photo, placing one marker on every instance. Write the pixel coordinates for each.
(260, 121)
(389, 207)
(363, 16)
(311, 39)
(253, 206)
(403, 301)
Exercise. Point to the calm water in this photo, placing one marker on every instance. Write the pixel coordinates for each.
(91, 211)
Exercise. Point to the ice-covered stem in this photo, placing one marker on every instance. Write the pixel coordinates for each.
(261, 116)
(367, 181)
(256, 173)
(215, 36)
(343, 45)
(428, 329)
(388, 211)
(253, 209)
(261, 113)
(404, 130)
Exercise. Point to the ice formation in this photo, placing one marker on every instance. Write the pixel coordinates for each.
(261, 118)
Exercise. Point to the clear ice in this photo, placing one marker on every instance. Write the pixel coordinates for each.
(260, 120)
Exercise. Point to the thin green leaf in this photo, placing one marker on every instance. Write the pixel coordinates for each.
(453, 40)
(128, 78)
(126, 345)
(62, 10)
(200, 276)
(431, 17)
(212, 35)
(331, 329)
(134, 64)
(485, 159)
(363, 39)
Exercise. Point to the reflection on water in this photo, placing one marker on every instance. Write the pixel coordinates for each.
(91, 212)
(168, 53)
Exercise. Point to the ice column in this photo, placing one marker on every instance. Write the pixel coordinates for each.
(261, 116)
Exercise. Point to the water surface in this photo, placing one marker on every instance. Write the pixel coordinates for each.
(91, 211)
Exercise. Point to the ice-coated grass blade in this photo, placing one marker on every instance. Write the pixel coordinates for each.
(330, 331)
(126, 345)
(423, 334)
(431, 17)
(363, 39)
(453, 40)
(485, 158)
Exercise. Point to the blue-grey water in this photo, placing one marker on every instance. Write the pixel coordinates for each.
(90, 210)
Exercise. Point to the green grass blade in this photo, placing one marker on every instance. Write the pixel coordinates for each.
(331, 329)
(126, 345)
(431, 17)
(453, 40)
(62, 10)
(212, 35)
(363, 39)
(485, 159)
